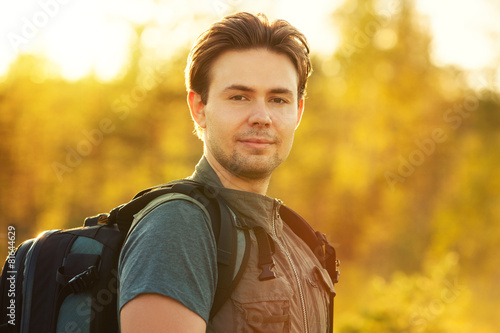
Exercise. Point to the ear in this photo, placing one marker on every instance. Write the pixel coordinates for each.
(300, 111)
(197, 108)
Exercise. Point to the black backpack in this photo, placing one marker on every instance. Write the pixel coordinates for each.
(66, 280)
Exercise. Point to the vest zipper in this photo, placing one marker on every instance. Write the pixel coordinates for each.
(277, 204)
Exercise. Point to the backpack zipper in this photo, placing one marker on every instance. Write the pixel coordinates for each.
(277, 204)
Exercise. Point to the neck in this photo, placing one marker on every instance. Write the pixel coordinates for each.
(235, 182)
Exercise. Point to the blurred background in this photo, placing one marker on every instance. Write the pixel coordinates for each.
(396, 158)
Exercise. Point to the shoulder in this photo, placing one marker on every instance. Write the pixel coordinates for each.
(177, 208)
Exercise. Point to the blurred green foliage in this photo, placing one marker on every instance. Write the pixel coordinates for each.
(396, 160)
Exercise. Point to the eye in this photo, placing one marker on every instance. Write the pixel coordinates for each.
(279, 100)
(238, 98)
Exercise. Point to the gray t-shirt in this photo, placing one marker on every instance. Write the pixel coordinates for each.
(171, 252)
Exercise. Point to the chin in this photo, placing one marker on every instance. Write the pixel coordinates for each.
(255, 174)
(256, 169)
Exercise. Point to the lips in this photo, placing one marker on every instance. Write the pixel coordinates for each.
(257, 140)
(256, 143)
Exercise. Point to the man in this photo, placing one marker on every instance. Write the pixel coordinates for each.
(246, 80)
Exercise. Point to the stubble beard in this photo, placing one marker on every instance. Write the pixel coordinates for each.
(247, 166)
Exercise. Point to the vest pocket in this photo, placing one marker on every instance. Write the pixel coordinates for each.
(263, 316)
(321, 275)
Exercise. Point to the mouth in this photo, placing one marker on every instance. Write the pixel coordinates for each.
(257, 143)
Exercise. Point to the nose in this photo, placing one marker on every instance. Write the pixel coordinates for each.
(260, 116)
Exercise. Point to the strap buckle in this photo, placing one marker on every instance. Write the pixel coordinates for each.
(328, 257)
(84, 280)
(267, 273)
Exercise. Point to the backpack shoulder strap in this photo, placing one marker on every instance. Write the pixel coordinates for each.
(230, 272)
(123, 215)
(316, 241)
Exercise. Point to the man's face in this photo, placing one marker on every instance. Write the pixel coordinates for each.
(252, 111)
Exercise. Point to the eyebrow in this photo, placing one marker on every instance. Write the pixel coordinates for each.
(241, 87)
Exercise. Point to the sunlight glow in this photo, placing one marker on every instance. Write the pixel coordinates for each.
(461, 32)
(84, 37)
(79, 37)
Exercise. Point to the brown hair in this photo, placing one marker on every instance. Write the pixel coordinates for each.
(242, 31)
